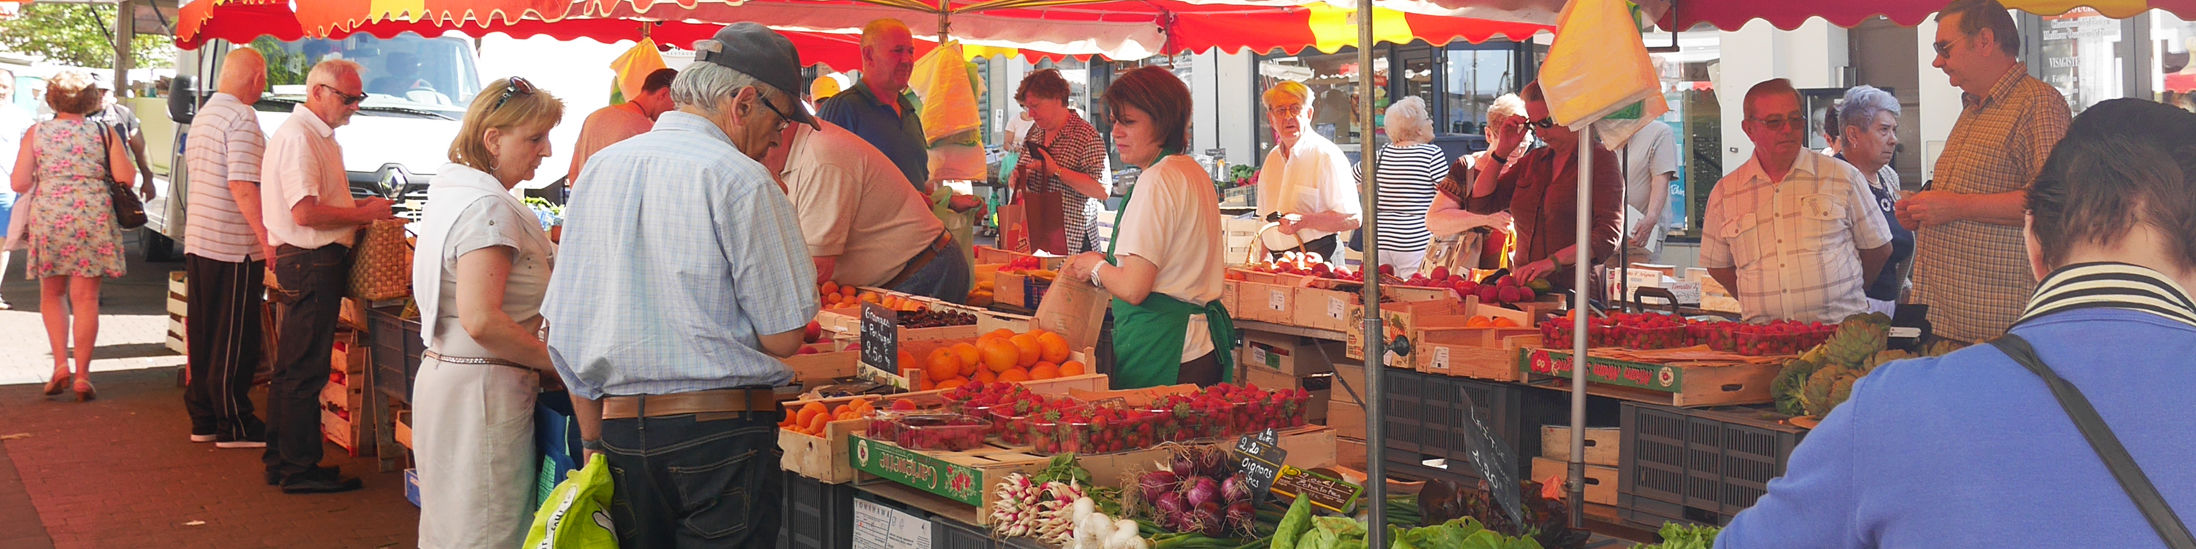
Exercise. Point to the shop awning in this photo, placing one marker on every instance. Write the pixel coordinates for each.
(1732, 14)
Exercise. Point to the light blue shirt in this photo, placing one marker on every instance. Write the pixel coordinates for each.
(678, 252)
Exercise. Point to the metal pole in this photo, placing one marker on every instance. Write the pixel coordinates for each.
(1376, 479)
(125, 29)
(1575, 483)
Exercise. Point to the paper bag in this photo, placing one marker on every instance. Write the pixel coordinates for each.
(1075, 310)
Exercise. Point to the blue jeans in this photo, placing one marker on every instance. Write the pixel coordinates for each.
(697, 480)
(314, 282)
(946, 277)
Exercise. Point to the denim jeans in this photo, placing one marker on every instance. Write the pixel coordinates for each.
(696, 480)
(313, 284)
(946, 277)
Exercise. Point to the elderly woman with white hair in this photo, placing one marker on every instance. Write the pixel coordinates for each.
(1463, 239)
(1870, 122)
(1407, 169)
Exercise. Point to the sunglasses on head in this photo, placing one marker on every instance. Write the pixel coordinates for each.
(516, 86)
(348, 99)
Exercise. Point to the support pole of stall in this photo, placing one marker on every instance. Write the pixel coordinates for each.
(125, 30)
(1575, 482)
(1376, 479)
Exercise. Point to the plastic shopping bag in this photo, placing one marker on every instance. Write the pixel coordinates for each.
(577, 514)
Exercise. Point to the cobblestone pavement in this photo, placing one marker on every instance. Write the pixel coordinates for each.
(120, 471)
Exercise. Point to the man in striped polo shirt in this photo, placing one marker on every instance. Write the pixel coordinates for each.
(225, 251)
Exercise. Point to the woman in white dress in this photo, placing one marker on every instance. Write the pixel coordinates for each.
(481, 271)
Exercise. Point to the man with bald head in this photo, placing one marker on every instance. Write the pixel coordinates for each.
(225, 248)
(881, 109)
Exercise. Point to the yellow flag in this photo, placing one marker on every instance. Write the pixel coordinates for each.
(1598, 67)
(634, 66)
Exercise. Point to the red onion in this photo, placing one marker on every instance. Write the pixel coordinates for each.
(1236, 489)
(1154, 483)
(1208, 520)
(1213, 462)
(1184, 464)
(1201, 490)
(1241, 517)
(1170, 508)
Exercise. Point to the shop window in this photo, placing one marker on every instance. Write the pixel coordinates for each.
(1333, 79)
(2080, 54)
(1475, 78)
(2172, 72)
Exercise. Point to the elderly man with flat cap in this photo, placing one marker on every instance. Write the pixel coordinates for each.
(673, 301)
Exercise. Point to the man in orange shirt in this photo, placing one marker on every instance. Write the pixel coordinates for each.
(616, 122)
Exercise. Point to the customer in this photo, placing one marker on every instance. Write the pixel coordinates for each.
(1163, 266)
(1829, 129)
(1870, 139)
(880, 108)
(14, 121)
(479, 284)
(1541, 190)
(1972, 450)
(864, 225)
(1305, 186)
(1967, 226)
(1463, 239)
(615, 123)
(1795, 235)
(1650, 159)
(225, 253)
(684, 280)
(120, 117)
(74, 242)
(1066, 155)
(1409, 167)
(312, 220)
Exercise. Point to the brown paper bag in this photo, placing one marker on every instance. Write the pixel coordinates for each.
(382, 268)
(1075, 310)
(1013, 228)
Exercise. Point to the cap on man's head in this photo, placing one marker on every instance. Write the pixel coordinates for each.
(769, 57)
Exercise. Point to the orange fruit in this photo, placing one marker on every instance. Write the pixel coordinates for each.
(871, 297)
(968, 353)
(1052, 347)
(1001, 333)
(1478, 322)
(1027, 348)
(847, 291)
(846, 415)
(951, 383)
(1044, 370)
(1014, 375)
(809, 412)
(1072, 368)
(923, 383)
(1504, 322)
(999, 355)
(908, 358)
(944, 364)
(830, 288)
(816, 425)
(985, 375)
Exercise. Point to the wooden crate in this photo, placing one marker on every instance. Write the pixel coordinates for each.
(1601, 480)
(966, 478)
(822, 458)
(1537, 311)
(1323, 309)
(1289, 354)
(1265, 302)
(1346, 416)
(1396, 319)
(823, 366)
(1007, 289)
(1350, 452)
(843, 319)
(1446, 346)
(987, 254)
(352, 314)
(403, 428)
(1685, 384)
(1601, 444)
(1228, 292)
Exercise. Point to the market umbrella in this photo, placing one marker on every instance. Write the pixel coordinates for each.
(1732, 14)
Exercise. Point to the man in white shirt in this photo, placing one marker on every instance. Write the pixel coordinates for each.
(312, 220)
(1650, 162)
(1305, 184)
(225, 248)
(1794, 234)
(863, 223)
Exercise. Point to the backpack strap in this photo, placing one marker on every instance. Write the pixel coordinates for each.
(2132, 480)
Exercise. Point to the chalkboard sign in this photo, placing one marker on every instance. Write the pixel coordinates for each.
(1327, 492)
(881, 337)
(1260, 456)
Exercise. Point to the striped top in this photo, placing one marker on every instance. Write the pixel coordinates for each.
(1078, 149)
(224, 145)
(1407, 178)
(2110, 285)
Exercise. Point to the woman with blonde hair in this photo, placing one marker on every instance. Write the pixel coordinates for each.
(482, 270)
(64, 166)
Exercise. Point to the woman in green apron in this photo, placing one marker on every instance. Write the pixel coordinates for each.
(1163, 265)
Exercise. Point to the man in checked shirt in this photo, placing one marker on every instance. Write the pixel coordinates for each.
(1969, 262)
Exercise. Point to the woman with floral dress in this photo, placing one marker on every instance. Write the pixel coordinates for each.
(74, 241)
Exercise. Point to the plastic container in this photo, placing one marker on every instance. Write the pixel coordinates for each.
(948, 432)
(1137, 430)
(1665, 337)
(1011, 428)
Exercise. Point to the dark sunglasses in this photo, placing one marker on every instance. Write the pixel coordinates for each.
(1543, 123)
(516, 86)
(348, 100)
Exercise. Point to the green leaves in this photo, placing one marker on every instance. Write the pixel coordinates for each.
(80, 35)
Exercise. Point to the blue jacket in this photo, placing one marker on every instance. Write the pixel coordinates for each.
(1971, 449)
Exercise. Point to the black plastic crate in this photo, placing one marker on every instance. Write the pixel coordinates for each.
(1703, 465)
(1651, 514)
(816, 515)
(396, 348)
(1428, 417)
(951, 534)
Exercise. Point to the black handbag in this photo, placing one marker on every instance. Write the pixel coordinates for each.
(129, 211)
(2132, 480)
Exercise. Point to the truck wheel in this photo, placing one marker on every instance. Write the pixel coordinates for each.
(158, 248)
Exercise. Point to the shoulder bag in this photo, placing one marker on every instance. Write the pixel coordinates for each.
(2132, 480)
(129, 212)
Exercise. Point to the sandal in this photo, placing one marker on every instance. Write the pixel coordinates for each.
(57, 384)
(84, 390)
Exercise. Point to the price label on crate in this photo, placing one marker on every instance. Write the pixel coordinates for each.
(1327, 492)
(1441, 358)
(1277, 299)
(880, 337)
(1335, 307)
(1260, 455)
(879, 527)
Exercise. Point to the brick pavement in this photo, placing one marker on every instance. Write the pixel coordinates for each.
(120, 472)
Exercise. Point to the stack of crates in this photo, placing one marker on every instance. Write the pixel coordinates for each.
(1701, 466)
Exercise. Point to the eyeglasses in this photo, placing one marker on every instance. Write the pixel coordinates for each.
(348, 99)
(1543, 123)
(516, 86)
(1792, 121)
(783, 120)
(1286, 110)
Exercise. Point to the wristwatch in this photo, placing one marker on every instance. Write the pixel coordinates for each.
(1094, 277)
(593, 445)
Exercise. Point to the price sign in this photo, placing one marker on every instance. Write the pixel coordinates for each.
(1335, 307)
(1277, 299)
(880, 527)
(1441, 358)
(880, 337)
(1328, 492)
(1260, 456)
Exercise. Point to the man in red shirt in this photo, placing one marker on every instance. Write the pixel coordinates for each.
(1540, 190)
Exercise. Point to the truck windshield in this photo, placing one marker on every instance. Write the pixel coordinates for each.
(408, 74)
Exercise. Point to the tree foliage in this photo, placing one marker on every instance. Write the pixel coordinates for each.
(78, 34)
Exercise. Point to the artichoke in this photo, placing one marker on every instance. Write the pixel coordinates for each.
(1881, 358)
(1790, 382)
(1940, 348)
(1822, 391)
(1857, 337)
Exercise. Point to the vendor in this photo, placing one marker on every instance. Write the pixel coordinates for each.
(863, 223)
(1163, 265)
(1063, 155)
(1305, 186)
(1540, 190)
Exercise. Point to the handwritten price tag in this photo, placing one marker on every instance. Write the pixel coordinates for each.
(1441, 358)
(1335, 307)
(1277, 300)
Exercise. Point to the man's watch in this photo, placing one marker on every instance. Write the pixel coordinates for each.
(592, 445)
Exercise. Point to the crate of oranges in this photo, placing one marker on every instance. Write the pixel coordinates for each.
(1032, 357)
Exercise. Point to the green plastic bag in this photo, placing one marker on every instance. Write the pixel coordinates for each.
(577, 514)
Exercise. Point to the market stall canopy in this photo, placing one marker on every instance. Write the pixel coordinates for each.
(1732, 14)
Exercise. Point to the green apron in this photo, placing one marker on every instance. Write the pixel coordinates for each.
(1148, 338)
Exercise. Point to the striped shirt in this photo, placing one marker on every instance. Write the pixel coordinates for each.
(1975, 274)
(1407, 177)
(1796, 243)
(2114, 286)
(679, 254)
(224, 145)
(1079, 150)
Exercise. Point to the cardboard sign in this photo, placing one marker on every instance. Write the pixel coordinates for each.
(880, 337)
(1327, 492)
(1260, 456)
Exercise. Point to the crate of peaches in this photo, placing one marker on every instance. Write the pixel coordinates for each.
(1001, 355)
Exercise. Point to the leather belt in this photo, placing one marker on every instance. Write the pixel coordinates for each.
(697, 402)
(437, 357)
(921, 259)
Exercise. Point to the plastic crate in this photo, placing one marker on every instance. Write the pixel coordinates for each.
(396, 349)
(948, 534)
(1699, 465)
(816, 515)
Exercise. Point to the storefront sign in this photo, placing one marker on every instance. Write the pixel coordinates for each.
(956, 482)
(1653, 377)
(1260, 455)
(879, 527)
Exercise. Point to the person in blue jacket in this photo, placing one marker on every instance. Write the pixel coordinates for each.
(1972, 449)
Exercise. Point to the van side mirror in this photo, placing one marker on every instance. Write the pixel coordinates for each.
(182, 99)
